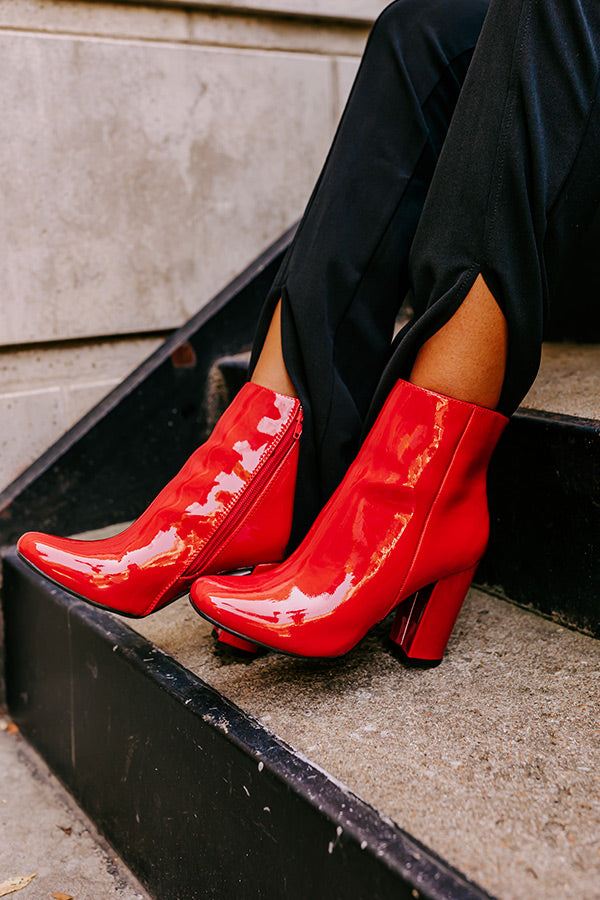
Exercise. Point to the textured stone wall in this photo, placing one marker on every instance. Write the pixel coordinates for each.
(148, 154)
(359, 10)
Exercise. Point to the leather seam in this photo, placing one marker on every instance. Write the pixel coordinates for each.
(255, 508)
(434, 501)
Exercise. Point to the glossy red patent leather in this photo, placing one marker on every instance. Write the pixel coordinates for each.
(411, 512)
(218, 513)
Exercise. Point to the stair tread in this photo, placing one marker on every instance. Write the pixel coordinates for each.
(568, 381)
(490, 760)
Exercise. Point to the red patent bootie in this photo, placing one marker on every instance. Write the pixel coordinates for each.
(230, 506)
(406, 528)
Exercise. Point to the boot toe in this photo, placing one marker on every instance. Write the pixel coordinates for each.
(33, 547)
(53, 557)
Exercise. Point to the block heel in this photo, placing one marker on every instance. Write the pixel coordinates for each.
(425, 620)
(234, 642)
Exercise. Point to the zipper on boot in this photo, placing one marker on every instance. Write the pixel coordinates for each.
(231, 522)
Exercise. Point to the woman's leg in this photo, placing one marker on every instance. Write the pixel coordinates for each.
(270, 370)
(345, 276)
(466, 358)
(513, 192)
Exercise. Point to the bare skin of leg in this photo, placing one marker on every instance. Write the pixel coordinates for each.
(270, 370)
(466, 358)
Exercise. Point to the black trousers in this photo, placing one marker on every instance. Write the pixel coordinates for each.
(469, 144)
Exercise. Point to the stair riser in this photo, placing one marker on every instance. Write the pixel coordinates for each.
(544, 491)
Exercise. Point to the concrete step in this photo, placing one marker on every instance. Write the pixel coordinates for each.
(491, 760)
(568, 381)
(217, 777)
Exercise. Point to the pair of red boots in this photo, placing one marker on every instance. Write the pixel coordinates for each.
(405, 529)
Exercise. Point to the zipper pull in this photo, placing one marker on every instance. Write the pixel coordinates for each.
(298, 424)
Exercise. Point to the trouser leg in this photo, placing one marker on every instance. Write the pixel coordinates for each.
(517, 182)
(345, 275)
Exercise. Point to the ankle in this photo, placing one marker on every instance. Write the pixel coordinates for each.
(274, 382)
(466, 358)
(270, 370)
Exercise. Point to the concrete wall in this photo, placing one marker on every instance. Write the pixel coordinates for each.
(148, 154)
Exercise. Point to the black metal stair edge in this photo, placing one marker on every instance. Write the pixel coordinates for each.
(118, 456)
(544, 494)
(198, 798)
